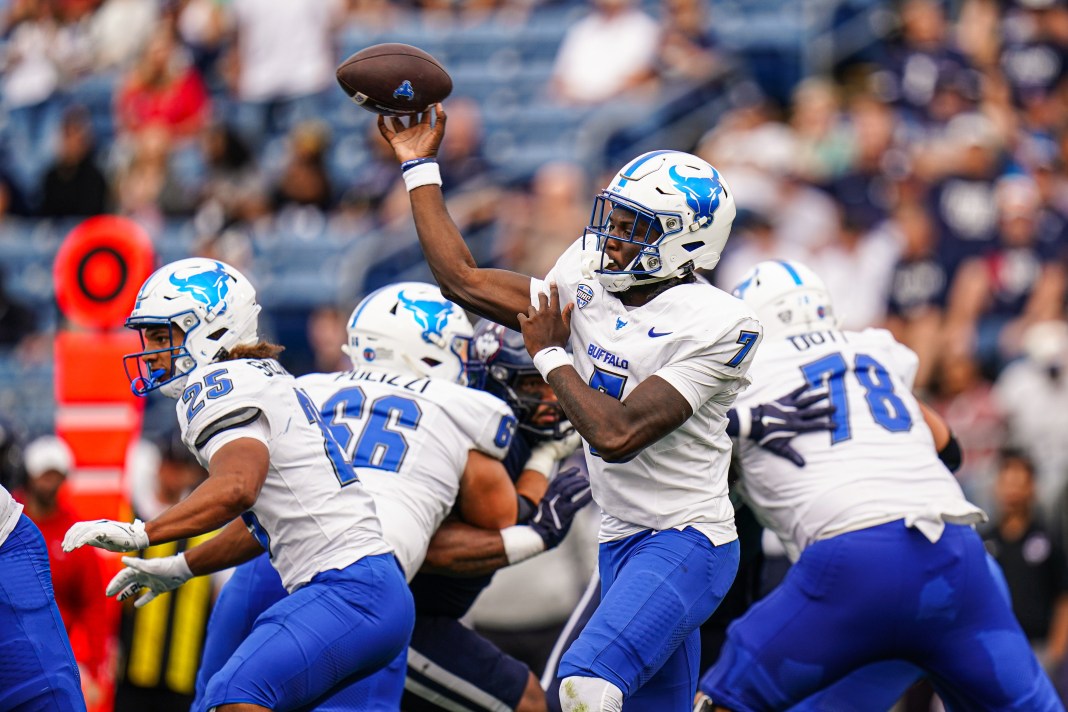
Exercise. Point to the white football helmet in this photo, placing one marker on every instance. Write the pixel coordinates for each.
(684, 212)
(787, 297)
(410, 327)
(208, 301)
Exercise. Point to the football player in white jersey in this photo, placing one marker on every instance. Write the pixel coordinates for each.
(888, 564)
(278, 482)
(658, 361)
(423, 444)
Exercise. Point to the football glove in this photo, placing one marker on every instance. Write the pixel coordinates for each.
(567, 494)
(774, 425)
(107, 534)
(545, 455)
(158, 575)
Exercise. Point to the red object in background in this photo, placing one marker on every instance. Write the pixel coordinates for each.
(98, 271)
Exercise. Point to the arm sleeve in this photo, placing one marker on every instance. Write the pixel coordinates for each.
(719, 370)
(486, 420)
(256, 428)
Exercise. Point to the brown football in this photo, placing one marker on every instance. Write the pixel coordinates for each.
(394, 79)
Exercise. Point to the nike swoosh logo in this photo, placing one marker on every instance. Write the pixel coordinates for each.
(653, 334)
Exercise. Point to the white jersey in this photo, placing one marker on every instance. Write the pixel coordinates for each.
(10, 511)
(699, 339)
(879, 463)
(312, 514)
(409, 439)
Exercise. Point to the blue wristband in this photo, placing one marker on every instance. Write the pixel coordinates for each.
(408, 165)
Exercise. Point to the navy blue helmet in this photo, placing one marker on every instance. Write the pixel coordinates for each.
(499, 364)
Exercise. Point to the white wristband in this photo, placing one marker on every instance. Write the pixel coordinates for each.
(551, 358)
(542, 460)
(422, 174)
(745, 422)
(520, 543)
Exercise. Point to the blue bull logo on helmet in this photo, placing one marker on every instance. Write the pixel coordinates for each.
(209, 288)
(405, 91)
(431, 315)
(702, 194)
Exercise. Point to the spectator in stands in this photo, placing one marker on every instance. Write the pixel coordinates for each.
(74, 186)
(1032, 394)
(857, 267)
(753, 240)
(77, 576)
(305, 181)
(688, 51)
(233, 189)
(966, 401)
(917, 299)
(1034, 61)
(326, 336)
(17, 322)
(539, 223)
(161, 646)
(285, 58)
(30, 82)
(610, 51)
(461, 150)
(916, 64)
(119, 31)
(867, 187)
(822, 141)
(1017, 282)
(163, 90)
(963, 166)
(1035, 565)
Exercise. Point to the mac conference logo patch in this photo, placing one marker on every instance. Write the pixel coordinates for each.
(583, 295)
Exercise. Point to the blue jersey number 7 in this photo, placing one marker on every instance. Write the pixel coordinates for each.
(747, 339)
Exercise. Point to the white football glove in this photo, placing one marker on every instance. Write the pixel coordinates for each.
(545, 456)
(107, 534)
(158, 575)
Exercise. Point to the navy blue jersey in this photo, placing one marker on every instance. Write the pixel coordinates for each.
(437, 595)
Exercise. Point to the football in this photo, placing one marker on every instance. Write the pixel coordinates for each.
(394, 79)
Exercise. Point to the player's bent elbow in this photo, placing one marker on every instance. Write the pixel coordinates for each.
(618, 449)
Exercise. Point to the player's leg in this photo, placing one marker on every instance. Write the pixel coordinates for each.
(451, 666)
(343, 625)
(832, 614)
(875, 687)
(657, 588)
(979, 658)
(550, 682)
(254, 587)
(37, 666)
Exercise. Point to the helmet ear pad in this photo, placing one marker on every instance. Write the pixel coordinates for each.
(410, 327)
(688, 210)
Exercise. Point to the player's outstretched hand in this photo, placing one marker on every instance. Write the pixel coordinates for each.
(107, 534)
(567, 494)
(158, 575)
(776, 424)
(420, 138)
(546, 325)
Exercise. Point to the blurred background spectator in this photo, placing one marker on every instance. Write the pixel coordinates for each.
(1032, 559)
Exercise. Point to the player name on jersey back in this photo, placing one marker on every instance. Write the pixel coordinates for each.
(877, 464)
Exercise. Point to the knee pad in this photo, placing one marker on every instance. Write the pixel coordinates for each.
(589, 694)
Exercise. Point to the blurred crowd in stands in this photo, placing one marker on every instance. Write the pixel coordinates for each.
(923, 175)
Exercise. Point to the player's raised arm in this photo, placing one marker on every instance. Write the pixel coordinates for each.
(495, 294)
